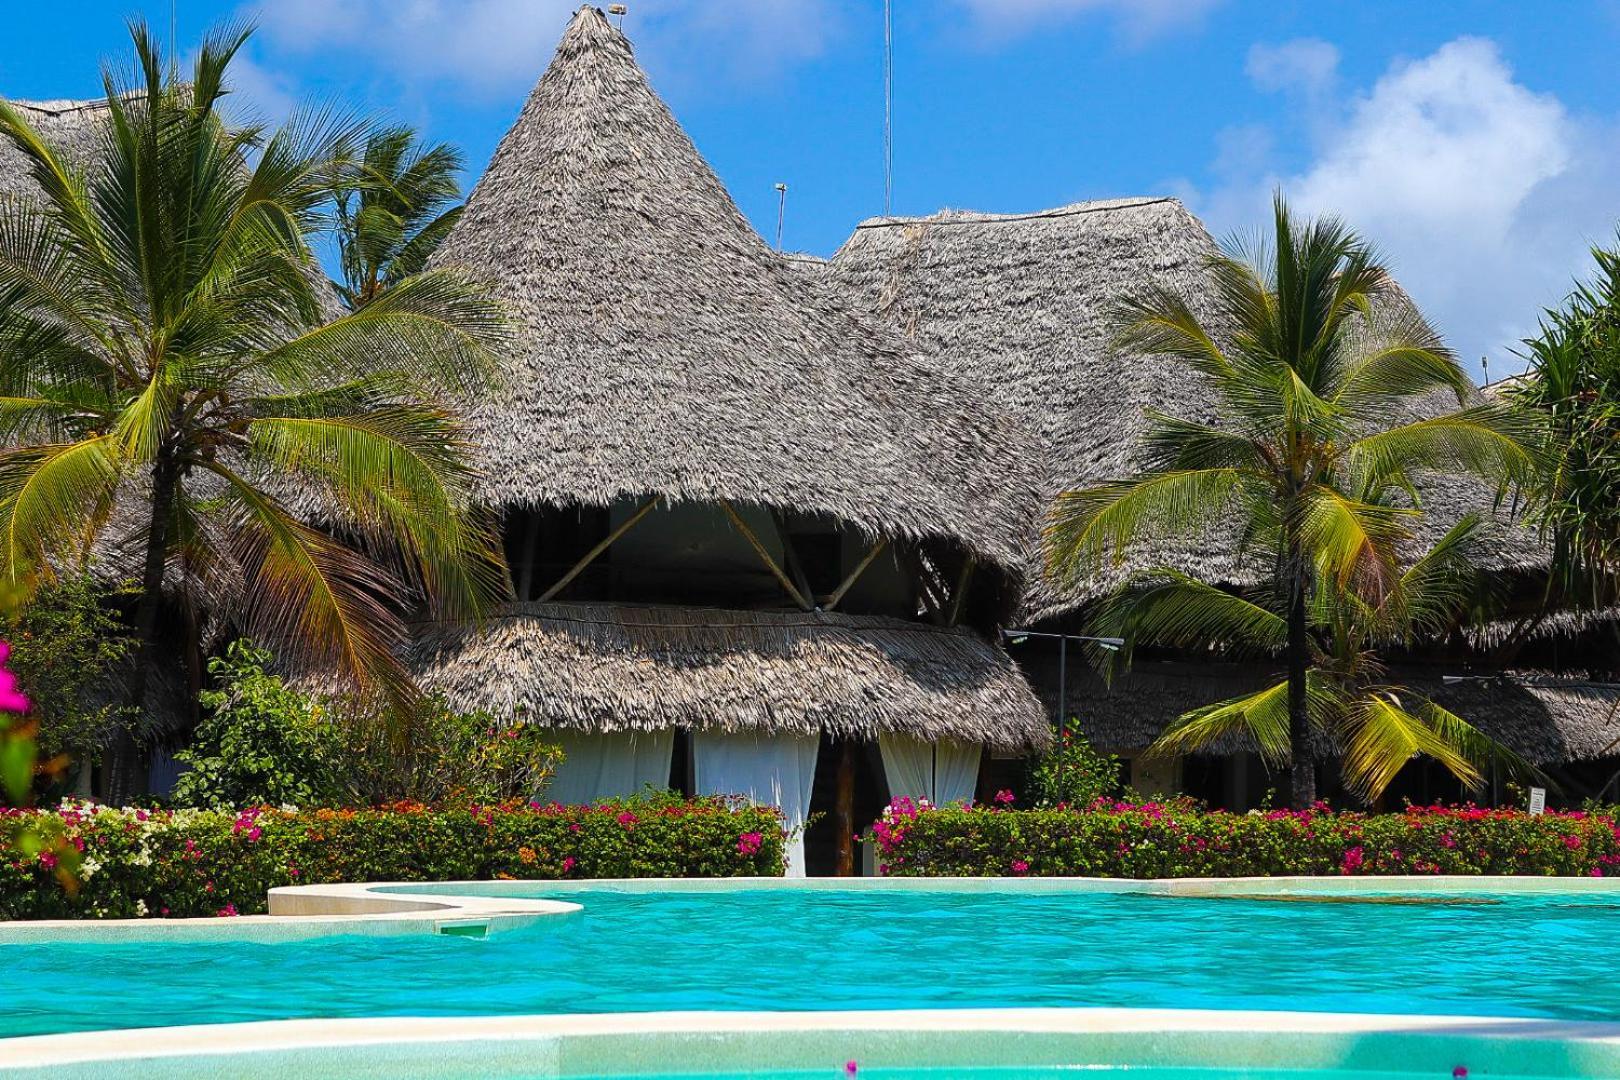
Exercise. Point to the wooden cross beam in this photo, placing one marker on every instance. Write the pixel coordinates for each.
(602, 545)
(765, 557)
(855, 575)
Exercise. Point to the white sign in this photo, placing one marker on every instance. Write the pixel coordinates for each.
(1538, 800)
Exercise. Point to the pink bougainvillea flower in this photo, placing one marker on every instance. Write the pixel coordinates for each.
(1019, 866)
(1004, 797)
(12, 700)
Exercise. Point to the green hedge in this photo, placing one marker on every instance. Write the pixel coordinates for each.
(1152, 840)
(93, 862)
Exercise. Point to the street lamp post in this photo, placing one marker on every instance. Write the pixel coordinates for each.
(1112, 644)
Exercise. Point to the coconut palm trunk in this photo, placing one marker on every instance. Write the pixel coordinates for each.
(127, 762)
(1302, 769)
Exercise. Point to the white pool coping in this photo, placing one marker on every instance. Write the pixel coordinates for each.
(300, 912)
(312, 911)
(700, 1042)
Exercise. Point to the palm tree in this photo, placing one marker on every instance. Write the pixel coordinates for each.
(1320, 355)
(1573, 383)
(1379, 725)
(166, 362)
(395, 203)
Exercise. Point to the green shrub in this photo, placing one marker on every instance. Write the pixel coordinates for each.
(209, 862)
(1073, 772)
(259, 742)
(67, 649)
(263, 743)
(1153, 840)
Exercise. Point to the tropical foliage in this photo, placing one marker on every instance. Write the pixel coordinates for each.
(1378, 725)
(264, 743)
(1155, 840)
(1573, 383)
(1310, 357)
(1072, 772)
(157, 863)
(70, 650)
(169, 371)
(395, 202)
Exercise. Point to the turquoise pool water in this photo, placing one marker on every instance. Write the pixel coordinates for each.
(1543, 956)
(1134, 1072)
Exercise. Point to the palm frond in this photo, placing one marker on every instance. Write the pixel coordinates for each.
(1085, 527)
(1381, 736)
(1169, 608)
(1261, 717)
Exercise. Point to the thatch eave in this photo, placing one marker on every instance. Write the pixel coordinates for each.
(603, 667)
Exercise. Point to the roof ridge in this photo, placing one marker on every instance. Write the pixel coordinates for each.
(682, 618)
(58, 106)
(984, 217)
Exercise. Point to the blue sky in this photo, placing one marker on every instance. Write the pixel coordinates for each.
(1475, 142)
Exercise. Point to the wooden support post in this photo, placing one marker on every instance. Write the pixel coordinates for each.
(855, 574)
(591, 555)
(963, 582)
(765, 557)
(844, 809)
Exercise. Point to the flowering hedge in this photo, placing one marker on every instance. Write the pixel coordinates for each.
(1150, 840)
(104, 863)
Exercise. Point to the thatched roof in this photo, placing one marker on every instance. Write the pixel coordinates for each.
(1023, 304)
(70, 126)
(667, 350)
(614, 668)
(1546, 718)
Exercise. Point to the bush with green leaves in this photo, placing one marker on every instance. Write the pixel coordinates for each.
(132, 862)
(68, 649)
(264, 743)
(1073, 772)
(1178, 839)
(259, 743)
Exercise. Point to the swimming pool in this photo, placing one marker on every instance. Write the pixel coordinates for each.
(783, 949)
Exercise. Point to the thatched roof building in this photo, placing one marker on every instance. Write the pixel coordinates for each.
(672, 369)
(616, 668)
(1549, 719)
(1023, 304)
(669, 352)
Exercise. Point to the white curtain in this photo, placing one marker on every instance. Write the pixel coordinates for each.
(604, 766)
(773, 770)
(942, 772)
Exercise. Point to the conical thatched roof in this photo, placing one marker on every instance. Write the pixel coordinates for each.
(667, 350)
(1023, 304)
(616, 668)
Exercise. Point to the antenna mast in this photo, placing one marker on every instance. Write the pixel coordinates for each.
(781, 212)
(888, 107)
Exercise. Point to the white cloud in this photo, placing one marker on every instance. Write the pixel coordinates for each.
(260, 93)
(1307, 64)
(497, 46)
(1139, 19)
(1483, 193)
